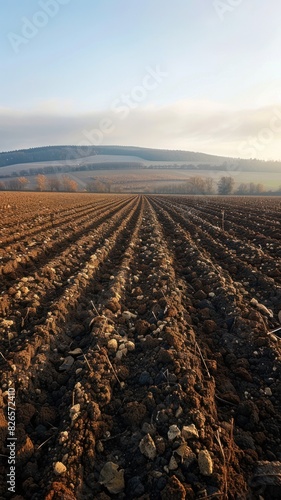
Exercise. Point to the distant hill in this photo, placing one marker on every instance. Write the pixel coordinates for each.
(172, 158)
(62, 153)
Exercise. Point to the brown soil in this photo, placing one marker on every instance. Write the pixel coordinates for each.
(136, 333)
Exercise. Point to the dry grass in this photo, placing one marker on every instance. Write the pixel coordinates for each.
(227, 457)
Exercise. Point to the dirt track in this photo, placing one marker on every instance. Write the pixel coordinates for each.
(135, 331)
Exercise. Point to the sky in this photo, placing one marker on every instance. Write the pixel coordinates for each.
(197, 75)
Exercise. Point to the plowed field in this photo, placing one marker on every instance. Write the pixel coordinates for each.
(141, 337)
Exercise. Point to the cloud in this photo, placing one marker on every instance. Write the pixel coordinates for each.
(204, 126)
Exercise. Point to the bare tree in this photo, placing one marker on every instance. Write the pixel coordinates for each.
(17, 184)
(242, 189)
(250, 188)
(73, 186)
(194, 185)
(54, 184)
(225, 185)
(69, 184)
(96, 186)
(260, 188)
(41, 182)
(197, 185)
(209, 186)
(23, 182)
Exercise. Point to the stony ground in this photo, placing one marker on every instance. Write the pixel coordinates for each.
(139, 335)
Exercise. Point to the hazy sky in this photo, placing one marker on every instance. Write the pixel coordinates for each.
(199, 75)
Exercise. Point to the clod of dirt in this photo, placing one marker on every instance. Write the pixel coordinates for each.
(143, 327)
(25, 451)
(160, 445)
(59, 468)
(147, 447)
(174, 490)
(173, 464)
(261, 308)
(209, 326)
(74, 412)
(112, 478)
(189, 432)
(76, 352)
(121, 353)
(113, 305)
(67, 364)
(26, 412)
(186, 454)
(173, 432)
(130, 345)
(205, 463)
(171, 312)
(63, 437)
(59, 492)
(112, 344)
(134, 413)
(128, 315)
(149, 342)
(198, 418)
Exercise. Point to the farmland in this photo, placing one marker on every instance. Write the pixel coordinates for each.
(128, 169)
(139, 335)
(144, 180)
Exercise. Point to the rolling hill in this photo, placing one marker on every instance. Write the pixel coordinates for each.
(131, 169)
(67, 153)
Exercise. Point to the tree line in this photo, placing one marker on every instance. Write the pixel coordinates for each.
(43, 183)
(225, 186)
(195, 185)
